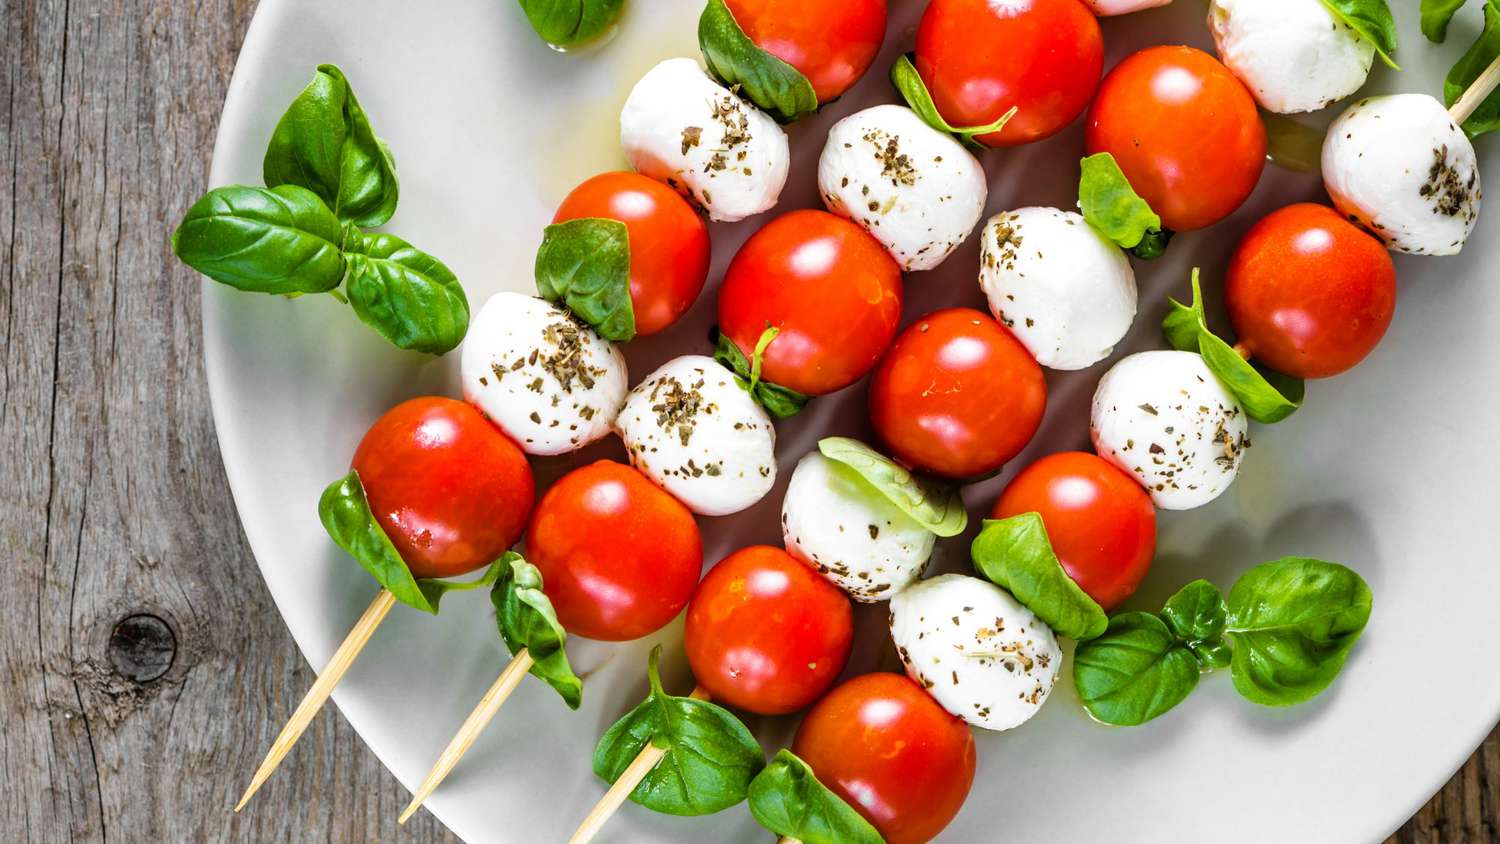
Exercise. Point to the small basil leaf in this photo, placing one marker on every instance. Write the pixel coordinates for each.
(1436, 15)
(776, 87)
(913, 89)
(1016, 555)
(787, 799)
(1134, 672)
(1373, 21)
(1292, 623)
(935, 505)
(569, 23)
(1211, 655)
(406, 295)
(324, 143)
(1112, 206)
(1196, 613)
(526, 619)
(778, 401)
(281, 240)
(584, 265)
(710, 756)
(1485, 118)
(1153, 245)
(1292, 145)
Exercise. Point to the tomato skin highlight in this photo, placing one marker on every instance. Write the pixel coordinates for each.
(957, 395)
(1100, 520)
(832, 42)
(669, 244)
(832, 290)
(449, 489)
(1184, 131)
(1309, 293)
(619, 557)
(979, 58)
(890, 751)
(766, 633)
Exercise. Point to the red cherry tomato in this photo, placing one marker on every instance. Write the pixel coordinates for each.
(1310, 294)
(830, 287)
(669, 248)
(446, 486)
(1185, 132)
(889, 750)
(981, 57)
(957, 395)
(1100, 521)
(619, 557)
(832, 42)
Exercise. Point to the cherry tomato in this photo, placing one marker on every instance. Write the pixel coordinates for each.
(889, 750)
(1185, 132)
(832, 42)
(830, 287)
(1309, 293)
(979, 58)
(446, 486)
(669, 248)
(957, 395)
(1100, 521)
(619, 557)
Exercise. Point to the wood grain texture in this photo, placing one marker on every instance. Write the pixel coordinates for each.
(115, 502)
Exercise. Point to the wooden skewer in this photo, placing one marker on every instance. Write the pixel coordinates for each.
(472, 727)
(629, 779)
(318, 694)
(1476, 93)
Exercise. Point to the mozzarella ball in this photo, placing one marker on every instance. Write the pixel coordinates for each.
(914, 188)
(681, 127)
(693, 430)
(547, 380)
(1105, 8)
(838, 523)
(981, 654)
(1401, 168)
(1293, 55)
(1164, 418)
(1064, 290)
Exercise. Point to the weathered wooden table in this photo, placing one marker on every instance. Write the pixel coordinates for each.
(145, 669)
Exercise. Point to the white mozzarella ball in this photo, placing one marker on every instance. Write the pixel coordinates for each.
(1064, 290)
(1105, 8)
(547, 380)
(1164, 418)
(695, 432)
(1401, 168)
(838, 523)
(681, 127)
(981, 654)
(1293, 55)
(917, 190)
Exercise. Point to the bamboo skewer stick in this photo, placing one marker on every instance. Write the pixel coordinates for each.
(1476, 93)
(334, 671)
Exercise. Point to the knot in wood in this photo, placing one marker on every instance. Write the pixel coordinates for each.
(142, 647)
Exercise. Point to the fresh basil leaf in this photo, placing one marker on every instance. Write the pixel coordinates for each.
(266, 240)
(1016, 555)
(1485, 118)
(1134, 672)
(1373, 21)
(1292, 623)
(569, 23)
(935, 505)
(710, 756)
(1112, 206)
(913, 89)
(1196, 613)
(787, 799)
(1436, 15)
(776, 87)
(584, 265)
(406, 295)
(526, 619)
(1211, 654)
(778, 401)
(324, 143)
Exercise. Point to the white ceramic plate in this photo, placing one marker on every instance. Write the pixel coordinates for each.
(1390, 468)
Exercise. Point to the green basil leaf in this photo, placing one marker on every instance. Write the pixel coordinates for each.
(787, 799)
(1016, 555)
(909, 84)
(324, 143)
(1436, 15)
(710, 756)
(1292, 623)
(935, 505)
(1196, 613)
(776, 87)
(584, 265)
(1112, 206)
(778, 401)
(569, 23)
(266, 240)
(526, 619)
(1134, 672)
(1486, 118)
(1211, 654)
(1373, 21)
(406, 295)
